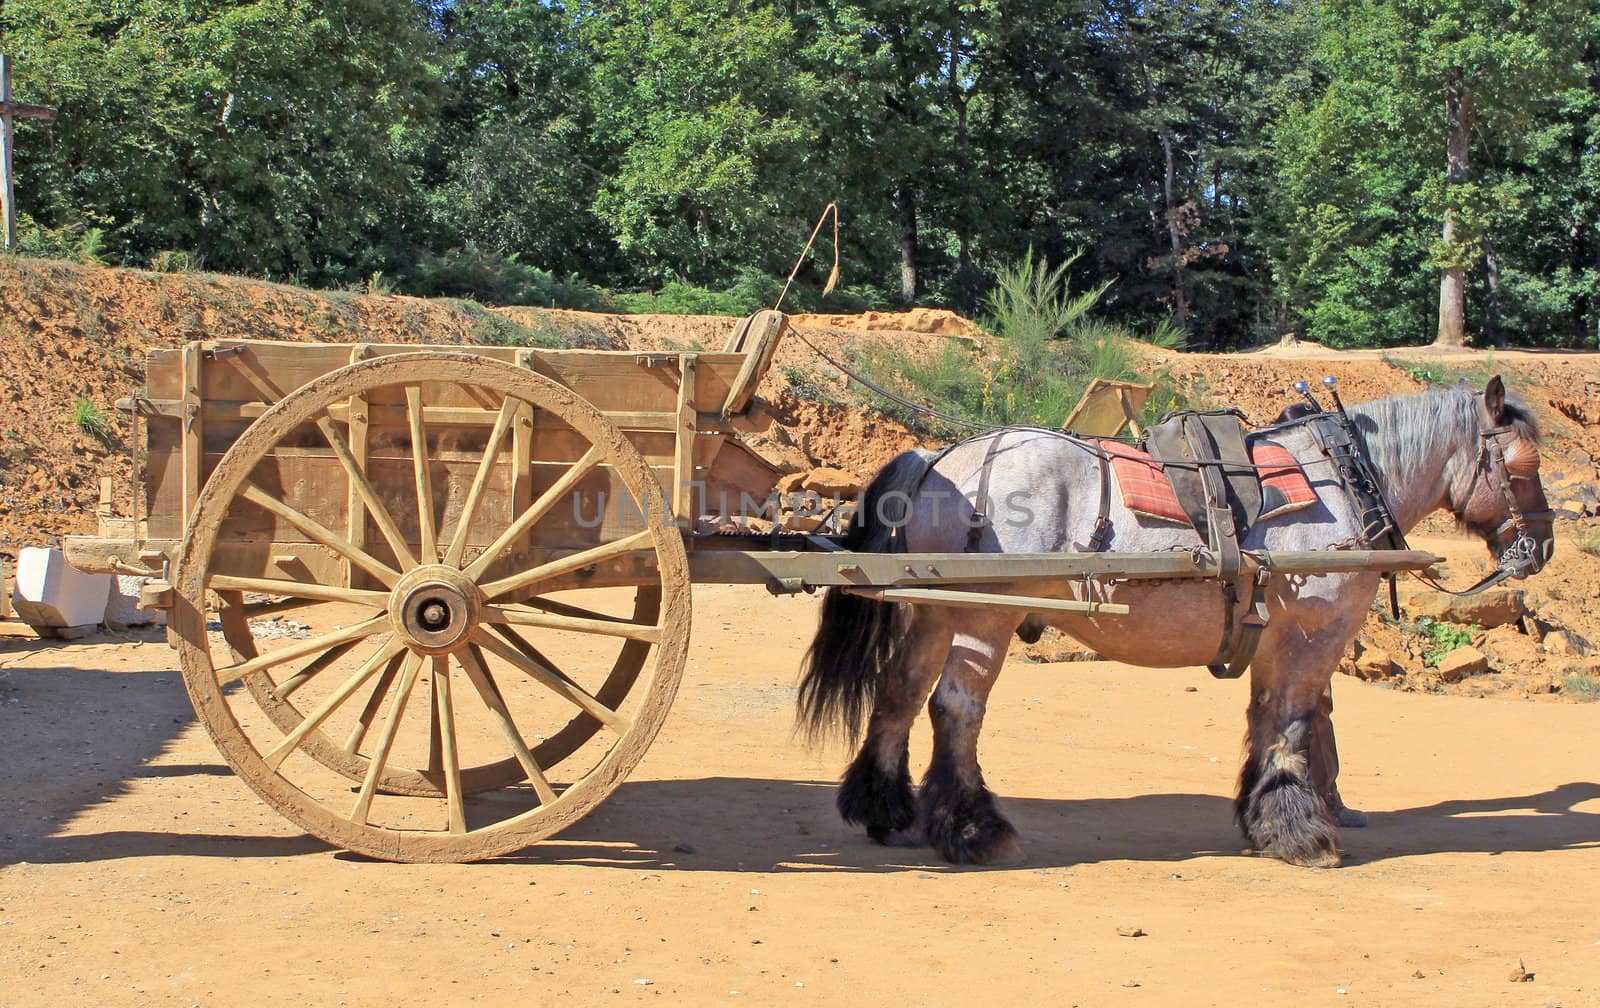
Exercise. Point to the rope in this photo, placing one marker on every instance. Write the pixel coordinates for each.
(833, 276)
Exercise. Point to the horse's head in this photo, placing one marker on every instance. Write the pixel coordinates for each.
(1501, 499)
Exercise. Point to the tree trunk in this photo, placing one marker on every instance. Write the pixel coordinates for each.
(1491, 315)
(1180, 296)
(1453, 281)
(905, 203)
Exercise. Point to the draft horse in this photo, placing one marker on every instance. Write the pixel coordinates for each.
(1473, 454)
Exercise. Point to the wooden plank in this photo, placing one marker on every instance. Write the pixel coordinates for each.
(193, 431)
(522, 453)
(682, 490)
(986, 600)
(610, 380)
(356, 512)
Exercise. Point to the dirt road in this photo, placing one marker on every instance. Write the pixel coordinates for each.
(135, 870)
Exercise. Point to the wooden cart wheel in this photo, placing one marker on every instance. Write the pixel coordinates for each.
(266, 691)
(444, 615)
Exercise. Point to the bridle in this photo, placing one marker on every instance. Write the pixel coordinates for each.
(1521, 558)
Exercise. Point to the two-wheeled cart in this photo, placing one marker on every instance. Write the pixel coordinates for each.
(433, 603)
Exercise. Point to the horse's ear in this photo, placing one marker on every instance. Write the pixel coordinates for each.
(1494, 401)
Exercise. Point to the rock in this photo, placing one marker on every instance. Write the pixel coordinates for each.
(1491, 608)
(1565, 644)
(1373, 665)
(790, 483)
(1131, 931)
(831, 482)
(1462, 662)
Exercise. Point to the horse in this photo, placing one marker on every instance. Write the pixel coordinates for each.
(1472, 453)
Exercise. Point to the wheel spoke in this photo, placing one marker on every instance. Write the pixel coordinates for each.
(435, 743)
(452, 759)
(423, 473)
(477, 671)
(298, 589)
(469, 507)
(369, 496)
(301, 648)
(551, 678)
(520, 616)
(410, 663)
(538, 509)
(496, 590)
(380, 689)
(320, 533)
(286, 689)
(313, 721)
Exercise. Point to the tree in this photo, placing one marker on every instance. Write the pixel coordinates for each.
(260, 136)
(1411, 84)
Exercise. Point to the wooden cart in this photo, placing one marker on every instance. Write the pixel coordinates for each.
(433, 604)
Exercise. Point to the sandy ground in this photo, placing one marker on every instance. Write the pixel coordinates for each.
(135, 870)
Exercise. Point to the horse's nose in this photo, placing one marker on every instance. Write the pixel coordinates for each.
(1547, 549)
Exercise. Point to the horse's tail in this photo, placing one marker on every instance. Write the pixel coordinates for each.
(856, 645)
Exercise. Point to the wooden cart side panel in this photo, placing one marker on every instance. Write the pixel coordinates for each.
(239, 378)
(613, 381)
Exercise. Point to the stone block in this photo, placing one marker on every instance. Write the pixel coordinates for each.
(1463, 662)
(835, 484)
(1491, 608)
(1374, 665)
(51, 593)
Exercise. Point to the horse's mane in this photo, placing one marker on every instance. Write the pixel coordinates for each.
(1402, 432)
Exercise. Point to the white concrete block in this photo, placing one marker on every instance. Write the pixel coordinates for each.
(123, 608)
(52, 593)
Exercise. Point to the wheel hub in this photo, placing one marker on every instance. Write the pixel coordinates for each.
(434, 608)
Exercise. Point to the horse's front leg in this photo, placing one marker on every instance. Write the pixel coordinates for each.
(876, 790)
(1283, 805)
(960, 819)
(1325, 763)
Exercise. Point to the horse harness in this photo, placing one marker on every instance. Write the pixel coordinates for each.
(1206, 459)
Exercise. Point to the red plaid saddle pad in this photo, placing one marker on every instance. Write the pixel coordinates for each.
(1145, 489)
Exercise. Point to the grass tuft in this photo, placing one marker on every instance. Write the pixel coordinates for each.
(91, 420)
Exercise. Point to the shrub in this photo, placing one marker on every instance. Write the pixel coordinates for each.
(471, 272)
(79, 243)
(91, 420)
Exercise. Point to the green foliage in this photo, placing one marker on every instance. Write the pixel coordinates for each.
(1048, 349)
(1442, 638)
(1446, 372)
(806, 384)
(73, 242)
(1361, 194)
(172, 261)
(91, 420)
(493, 329)
(471, 272)
(1236, 169)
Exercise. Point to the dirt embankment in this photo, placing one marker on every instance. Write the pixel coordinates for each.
(73, 341)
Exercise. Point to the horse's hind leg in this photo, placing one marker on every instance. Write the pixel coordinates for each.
(876, 790)
(1325, 763)
(1279, 807)
(960, 818)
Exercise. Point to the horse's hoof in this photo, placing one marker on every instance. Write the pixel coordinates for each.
(1008, 851)
(965, 828)
(1350, 818)
(879, 800)
(1313, 859)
